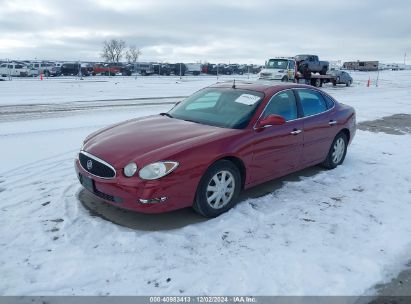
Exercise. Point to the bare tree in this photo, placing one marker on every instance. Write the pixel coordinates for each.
(113, 50)
(132, 54)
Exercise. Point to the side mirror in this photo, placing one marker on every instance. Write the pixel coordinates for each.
(271, 120)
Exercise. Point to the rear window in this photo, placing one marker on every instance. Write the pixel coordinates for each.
(329, 101)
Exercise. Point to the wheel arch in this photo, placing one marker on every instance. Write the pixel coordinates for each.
(347, 133)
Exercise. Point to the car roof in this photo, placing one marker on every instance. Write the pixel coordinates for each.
(265, 87)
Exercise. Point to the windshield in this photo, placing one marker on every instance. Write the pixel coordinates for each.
(277, 64)
(221, 107)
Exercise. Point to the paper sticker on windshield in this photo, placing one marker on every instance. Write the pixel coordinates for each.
(247, 99)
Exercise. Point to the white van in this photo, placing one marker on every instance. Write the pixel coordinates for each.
(280, 68)
(13, 69)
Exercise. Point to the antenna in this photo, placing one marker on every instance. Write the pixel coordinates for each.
(233, 84)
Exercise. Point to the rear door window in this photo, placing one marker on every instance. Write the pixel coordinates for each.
(312, 102)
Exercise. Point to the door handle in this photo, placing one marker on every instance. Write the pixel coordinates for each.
(295, 132)
(333, 122)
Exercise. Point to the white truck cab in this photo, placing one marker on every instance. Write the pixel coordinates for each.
(279, 68)
(13, 69)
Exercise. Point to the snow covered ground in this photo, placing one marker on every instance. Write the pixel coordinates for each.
(333, 232)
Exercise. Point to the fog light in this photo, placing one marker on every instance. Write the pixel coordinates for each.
(153, 200)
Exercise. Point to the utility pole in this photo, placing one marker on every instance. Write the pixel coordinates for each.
(8, 70)
(378, 76)
(79, 71)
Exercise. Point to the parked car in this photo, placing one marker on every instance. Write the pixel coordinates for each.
(253, 68)
(32, 72)
(87, 68)
(46, 68)
(13, 69)
(125, 70)
(280, 68)
(108, 69)
(144, 68)
(224, 69)
(341, 77)
(179, 69)
(313, 63)
(71, 69)
(220, 140)
(217, 69)
(162, 69)
(210, 68)
(238, 69)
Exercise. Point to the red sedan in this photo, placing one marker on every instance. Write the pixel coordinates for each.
(222, 139)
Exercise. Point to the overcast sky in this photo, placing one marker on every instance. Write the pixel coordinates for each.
(207, 30)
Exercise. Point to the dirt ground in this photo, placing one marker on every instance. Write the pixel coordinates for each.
(397, 124)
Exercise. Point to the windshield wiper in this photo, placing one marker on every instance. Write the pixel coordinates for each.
(191, 121)
(166, 114)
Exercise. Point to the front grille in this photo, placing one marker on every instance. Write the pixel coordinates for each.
(107, 197)
(96, 166)
(92, 188)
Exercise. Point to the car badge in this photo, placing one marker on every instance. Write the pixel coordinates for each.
(89, 164)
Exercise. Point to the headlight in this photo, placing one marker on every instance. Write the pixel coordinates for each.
(157, 170)
(130, 169)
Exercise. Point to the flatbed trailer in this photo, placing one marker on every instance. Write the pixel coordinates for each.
(317, 80)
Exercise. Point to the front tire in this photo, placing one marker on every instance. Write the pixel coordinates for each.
(284, 79)
(218, 189)
(337, 152)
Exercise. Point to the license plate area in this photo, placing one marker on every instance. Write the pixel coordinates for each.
(87, 182)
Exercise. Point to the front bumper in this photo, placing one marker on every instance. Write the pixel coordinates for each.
(126, 192)
(271, 76)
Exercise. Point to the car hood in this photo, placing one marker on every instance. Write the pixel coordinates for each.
(148, 139)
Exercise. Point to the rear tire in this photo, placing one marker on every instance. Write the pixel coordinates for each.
(318, 83)
(337, 152)
(218, 189)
